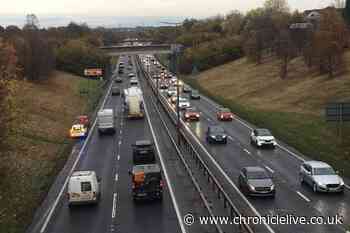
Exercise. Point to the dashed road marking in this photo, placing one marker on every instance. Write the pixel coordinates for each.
(231, 138)
(120, 142)
(270, 170)
(114, 205)
(116, 177)
(247, 151)
(303, 196)
(118, 157)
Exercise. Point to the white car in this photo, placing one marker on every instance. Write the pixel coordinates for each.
(131, 75)
(261, 137)
(184, 103)
(321, 177)
(83, 187)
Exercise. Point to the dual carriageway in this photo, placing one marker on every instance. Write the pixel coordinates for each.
(187, 188)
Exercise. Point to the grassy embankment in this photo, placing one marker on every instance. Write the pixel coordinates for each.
(38, 148)
(293, 109)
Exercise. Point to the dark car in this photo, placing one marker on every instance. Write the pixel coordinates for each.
(118, 79)
(216, 134)
(195, 94)
(115, 90)
(147, 182)
(255, 181)
(143, 152)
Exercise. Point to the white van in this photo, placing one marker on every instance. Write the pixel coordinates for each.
(105, 121)
(83, 187)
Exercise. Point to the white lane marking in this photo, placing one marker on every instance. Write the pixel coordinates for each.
(228, 179)
(118, 157)
(247, 151)
(208, 119)
(303, 196)
(120, 142)
(347, 186)
(121, 131)
(114, 205)
(229, 137)
(43, 228)
(270, 170)
(172, 194)
(116, 177)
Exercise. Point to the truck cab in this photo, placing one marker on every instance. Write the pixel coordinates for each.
(143, 152)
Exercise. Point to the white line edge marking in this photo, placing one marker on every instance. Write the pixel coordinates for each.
(114, 204)
(120, 142)
(116, 177)
(53, 207)
(172, 195)
(228, 178)
(118, 157)
(270, 169)
(303, 196)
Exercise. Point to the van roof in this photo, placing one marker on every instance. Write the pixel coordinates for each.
(82, 173)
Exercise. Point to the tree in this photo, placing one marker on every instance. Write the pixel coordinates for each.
(277, 6)
(346, 13)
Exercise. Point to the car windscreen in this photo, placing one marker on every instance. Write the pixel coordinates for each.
(263, 132)
(217, 130)
(257, 175)
(324, 171)
(194, 92)
(85, 186)
(225, 110)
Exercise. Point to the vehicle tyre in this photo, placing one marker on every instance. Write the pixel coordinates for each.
(314, 188)
(225, 141)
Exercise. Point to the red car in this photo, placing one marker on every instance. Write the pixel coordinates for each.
(224, 114)
(191, 114)
(83, 120)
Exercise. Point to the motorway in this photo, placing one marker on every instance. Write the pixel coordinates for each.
(283, 163)
(110, 156)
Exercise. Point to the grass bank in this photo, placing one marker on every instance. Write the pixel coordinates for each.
(38, 148)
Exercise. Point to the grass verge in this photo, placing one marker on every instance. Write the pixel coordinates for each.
(38, 148)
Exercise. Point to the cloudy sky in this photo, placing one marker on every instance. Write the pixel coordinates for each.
(194, 8)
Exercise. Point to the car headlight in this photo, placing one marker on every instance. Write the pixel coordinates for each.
(341, 182)
(197, 115)
(272, 187)
(213, 136)
(224, 136)
(251, 187)
(321, 184)
(187, 115)
(222, 116)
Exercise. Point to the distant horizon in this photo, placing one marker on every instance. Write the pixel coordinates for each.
(93, 21)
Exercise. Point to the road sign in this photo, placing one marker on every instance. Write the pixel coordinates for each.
(338, 112)
(95, 72)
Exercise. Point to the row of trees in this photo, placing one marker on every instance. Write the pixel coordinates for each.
(261, 32)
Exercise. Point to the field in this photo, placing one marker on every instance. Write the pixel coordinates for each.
(292, 108)
(38, 148)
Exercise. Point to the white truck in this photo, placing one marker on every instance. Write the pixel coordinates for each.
(105, 121)
(134, 102)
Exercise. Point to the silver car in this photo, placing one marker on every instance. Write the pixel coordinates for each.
(321, 177)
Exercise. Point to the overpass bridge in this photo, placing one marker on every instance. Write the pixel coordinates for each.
(140, 49)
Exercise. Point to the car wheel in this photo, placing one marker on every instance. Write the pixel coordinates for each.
(314, 188)
(225, 142)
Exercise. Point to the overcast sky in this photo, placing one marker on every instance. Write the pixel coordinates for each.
(187, 8)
